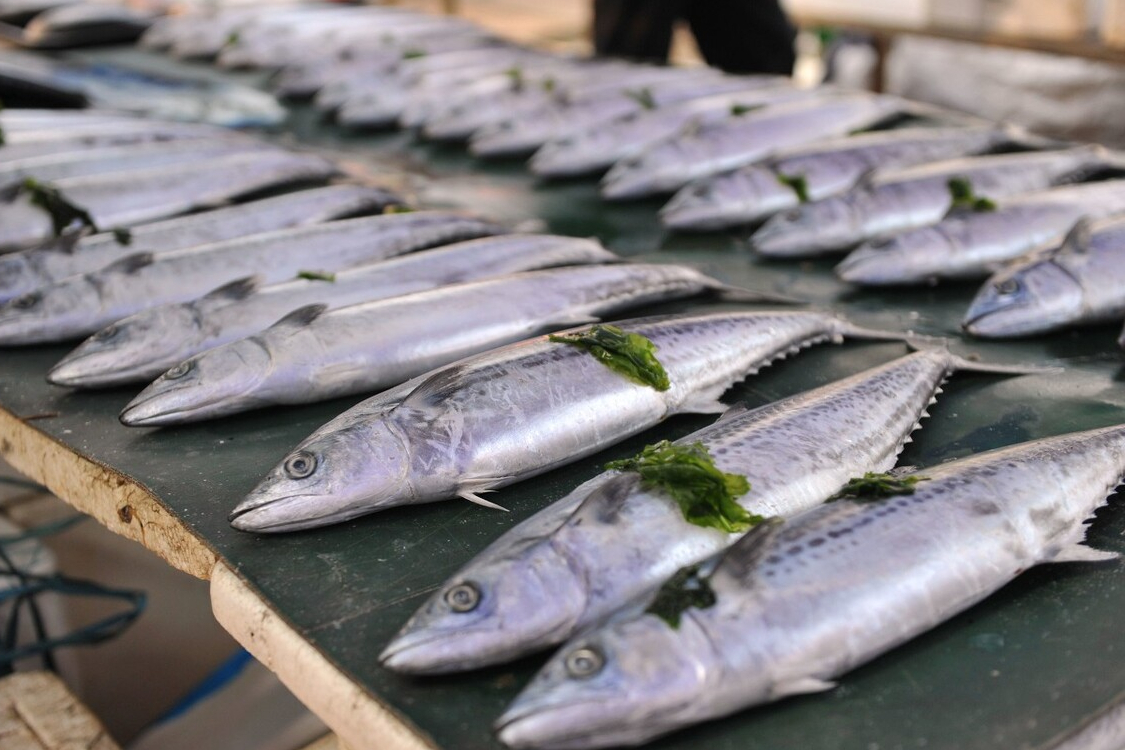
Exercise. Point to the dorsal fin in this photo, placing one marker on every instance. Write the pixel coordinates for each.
(301, 317)
(608, 498)
(131, 263)
(741, 559)
(1077, 240)
(438, 386)
(235, 290)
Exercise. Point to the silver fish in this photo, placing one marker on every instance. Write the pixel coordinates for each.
(142, 346)
(919, 196)
(372, 346)
(822, 168)
(698, 151)
(27, 270)
(1080, 281)
(125, 198)
(80, 305)
(512, 413)
(113, 135)
(801, 602)
(972, 244)
(558, 572)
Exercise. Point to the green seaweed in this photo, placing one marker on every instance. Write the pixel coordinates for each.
(317, 276)
(629, 354)
(797, 183)
(874, 486)
(122, 235)
(63, 213)
(682, 591)
(642, 96)
(740, 109)
(961, 191)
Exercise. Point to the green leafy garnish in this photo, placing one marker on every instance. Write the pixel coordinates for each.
(63, 213)
(412, 54)
(642, 96)
(398, 208)
(515, 74)
(233, 38)
(874, 486)
(548, 84)
(961, 191)
(740, 109)
(797, 183)
(629, 354)
(122, 235)
(706, 496)
(316, 276)
(684, 590)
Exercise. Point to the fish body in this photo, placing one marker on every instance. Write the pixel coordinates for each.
(111, 135)
(823, 168)
(916, 197)
(515, 412)
(314, 355)
(83, 304)
(798, 603)
(142, 346)
(698, 151)
(973, 244)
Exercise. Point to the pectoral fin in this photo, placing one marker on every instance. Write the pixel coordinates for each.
(802, 686)
(471, 490)
(1082, 553)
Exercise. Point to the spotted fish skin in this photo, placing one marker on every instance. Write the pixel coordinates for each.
(801, 602)
(603, 546)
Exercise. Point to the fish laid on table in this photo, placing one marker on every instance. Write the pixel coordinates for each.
(920, 196)
(795, 604)
(817, 171)
(142, 346)
(26, 270)
(121, 199)
(972, 244)
(81, 305)
(33, 142)
(515, 412)
(613, 539)
(84, 24)
(698, 151)
(376, 345)
(1080, 281)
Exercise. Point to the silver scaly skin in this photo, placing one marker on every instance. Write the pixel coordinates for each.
(800, 602)
(515, 412)
(701, 150)
(611, 541)
(916, 197)
(313, 355)
(27, 270)
(80, 305)
(115, 135)
(1081, 281)
(826, 167)
(142, 346)
(973, 244)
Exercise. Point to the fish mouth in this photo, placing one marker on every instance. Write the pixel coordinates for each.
(161, 409)
(408, 654)
(523, 727)
(257, 516)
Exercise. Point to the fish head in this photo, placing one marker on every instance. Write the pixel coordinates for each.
(215, 383)
(619, 685)
(130, 349)
(1025, 299)
(331, 477)
(809, 229)
(909, 257)
(48, 314)
(742, 196)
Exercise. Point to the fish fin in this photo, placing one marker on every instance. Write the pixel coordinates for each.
(67, 243)
(741, 560)
(703, 404)
(438, 386)
(847, 329)
(235, 290)
(732, 412)
(738, 294)
(1082, 553)
(131, 263)
(963, 364)
(1077, 240)
(475, 498)
(302, 316)
(569, 320)
(802, 686)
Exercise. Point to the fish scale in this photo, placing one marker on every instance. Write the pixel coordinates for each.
(801, 602)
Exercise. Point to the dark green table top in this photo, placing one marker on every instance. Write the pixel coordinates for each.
(1034, 661)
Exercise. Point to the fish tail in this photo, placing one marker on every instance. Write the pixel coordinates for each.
(970, 363)
(738, 294)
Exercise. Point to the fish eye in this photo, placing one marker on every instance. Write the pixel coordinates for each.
(26, 301)
(464, 597)
(1007, 287)
(792, 214)
(178, 371)
(300, 465)
(106, 333)
(702, 190)
(584, 662)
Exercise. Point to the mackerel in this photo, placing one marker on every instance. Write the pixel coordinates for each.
(1080, 281)
(972, 244)
(515, 412)
(698, 151)
(558, 572)
(24, 271)
(372, 346)
(799, 603)
(817, 171)
(920, 196)
(142, 346)
(80, 305)
(126, 198)
(156, 132)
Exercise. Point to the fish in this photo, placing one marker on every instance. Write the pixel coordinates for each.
(972, 244)
(53, 141)
(80, 305)
(144, 345)
(126, 198)
(701, 150)
(371, 346)
(84, 24)
(1081, 281)
(797, 603)
(24, 271)
(816, 171)
(512, 413)
(612, 540)
(919, 196)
